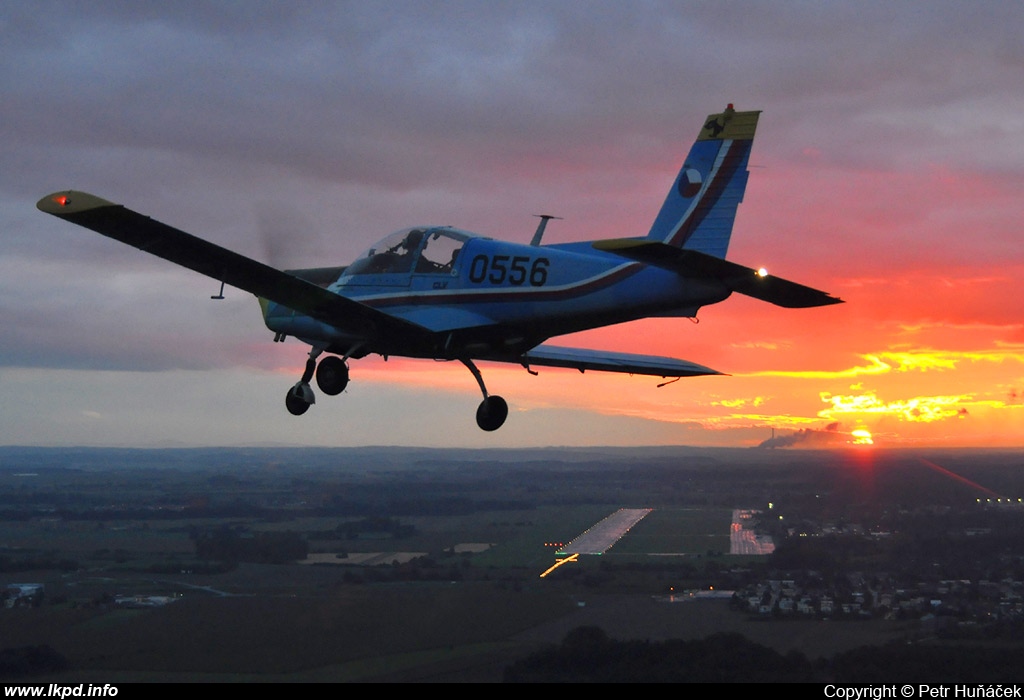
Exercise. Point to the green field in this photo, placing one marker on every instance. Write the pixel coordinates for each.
(95, 525)
(679, 531)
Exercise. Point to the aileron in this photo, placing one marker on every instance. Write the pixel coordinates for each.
(626, 363)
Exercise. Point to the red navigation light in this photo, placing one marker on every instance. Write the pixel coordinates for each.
(62, 200)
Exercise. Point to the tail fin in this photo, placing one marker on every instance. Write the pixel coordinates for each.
(699, 210)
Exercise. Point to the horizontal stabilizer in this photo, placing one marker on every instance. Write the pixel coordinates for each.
(123, 224)
(736, 278)
(575, 358)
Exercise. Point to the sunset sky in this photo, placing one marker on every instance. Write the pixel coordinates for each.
(888, 170)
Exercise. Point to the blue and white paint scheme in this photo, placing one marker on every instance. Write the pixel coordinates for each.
(447, 294)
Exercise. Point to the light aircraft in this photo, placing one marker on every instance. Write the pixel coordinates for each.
(447, 294)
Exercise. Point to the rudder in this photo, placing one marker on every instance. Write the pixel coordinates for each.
(700, 209)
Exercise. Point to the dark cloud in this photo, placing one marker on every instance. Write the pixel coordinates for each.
(808, 437)
(395, 93)
(268, 127)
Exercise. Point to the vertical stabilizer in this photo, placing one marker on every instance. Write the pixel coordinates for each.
(700, 209)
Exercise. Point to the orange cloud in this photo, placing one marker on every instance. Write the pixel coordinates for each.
(903, 361)
(922, 408)
(738, 403)
(875, 366)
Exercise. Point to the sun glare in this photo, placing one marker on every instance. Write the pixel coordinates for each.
(862, 436)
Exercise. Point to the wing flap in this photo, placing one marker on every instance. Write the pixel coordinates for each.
(599, 360)
(736, 278)
(142, 232)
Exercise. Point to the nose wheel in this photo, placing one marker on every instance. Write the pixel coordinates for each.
(299, 398)
(493, 410)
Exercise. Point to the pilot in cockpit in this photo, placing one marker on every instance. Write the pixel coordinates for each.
(399, 257)
(411, 243)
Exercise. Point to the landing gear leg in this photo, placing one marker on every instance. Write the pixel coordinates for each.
(492, 411)
(300, 397)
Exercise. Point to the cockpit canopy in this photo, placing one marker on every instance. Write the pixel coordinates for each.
(422, 250)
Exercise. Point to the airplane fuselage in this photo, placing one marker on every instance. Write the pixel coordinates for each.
(496, 299)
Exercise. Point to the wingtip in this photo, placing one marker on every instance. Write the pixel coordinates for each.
(70, 202)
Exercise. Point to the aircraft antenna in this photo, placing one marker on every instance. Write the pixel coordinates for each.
(544, 218)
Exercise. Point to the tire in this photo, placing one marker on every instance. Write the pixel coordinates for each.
(332, 375)
(295, 404)
(491, 413)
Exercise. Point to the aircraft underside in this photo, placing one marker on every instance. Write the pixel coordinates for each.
(332, 378)
(507, 343)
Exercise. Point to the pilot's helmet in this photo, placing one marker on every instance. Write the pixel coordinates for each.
(412, 241)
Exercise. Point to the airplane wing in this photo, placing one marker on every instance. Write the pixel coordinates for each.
(737, 278)
(144, 233)
(652, 365)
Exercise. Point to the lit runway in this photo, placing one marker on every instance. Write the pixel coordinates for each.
(747, 541)
(600, 537)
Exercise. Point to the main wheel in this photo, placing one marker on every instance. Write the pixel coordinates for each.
(332, 375)
(491, 413)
